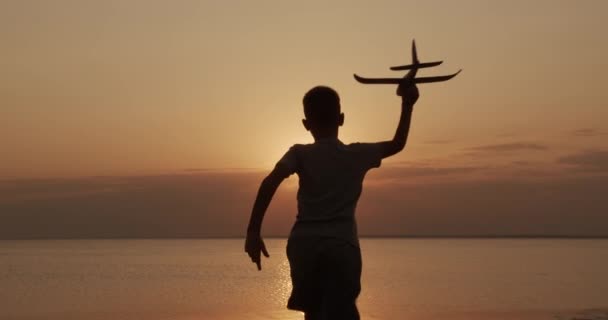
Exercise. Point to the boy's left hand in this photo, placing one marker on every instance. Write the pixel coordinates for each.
(254, 245)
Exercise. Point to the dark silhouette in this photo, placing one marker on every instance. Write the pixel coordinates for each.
(414, 66)
(323, 247)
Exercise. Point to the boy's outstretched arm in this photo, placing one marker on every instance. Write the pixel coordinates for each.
(409, 95)
(254, 245)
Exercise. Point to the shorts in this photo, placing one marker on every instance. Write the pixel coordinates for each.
(325, 276)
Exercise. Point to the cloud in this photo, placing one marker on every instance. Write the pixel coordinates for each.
(213, 170)
(439, 141)
(586, 132)
(591, 160)
(187, 205)
(506, 135)
(521, 163)
(500, 206)
(415, 172)
(414, 199)
(197, 170)
(509, 147)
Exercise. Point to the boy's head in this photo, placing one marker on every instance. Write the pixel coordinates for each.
(322, 110)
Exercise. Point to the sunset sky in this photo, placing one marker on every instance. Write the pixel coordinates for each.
(159, 118)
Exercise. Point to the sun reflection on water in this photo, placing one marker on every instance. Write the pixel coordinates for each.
(280, 293)
(283, 281)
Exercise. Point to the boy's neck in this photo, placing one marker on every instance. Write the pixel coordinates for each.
(329, 134)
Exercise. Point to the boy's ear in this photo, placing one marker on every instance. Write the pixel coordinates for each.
(305, 123)
(341, 119)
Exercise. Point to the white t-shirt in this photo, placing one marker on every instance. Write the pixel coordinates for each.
(330, 178)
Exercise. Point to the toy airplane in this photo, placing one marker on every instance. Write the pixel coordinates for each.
(413, 69)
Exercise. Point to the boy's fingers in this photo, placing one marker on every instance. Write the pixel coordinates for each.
(255, 258)
(254, 253)
(257, 261)
(409, 77)
(406, 82)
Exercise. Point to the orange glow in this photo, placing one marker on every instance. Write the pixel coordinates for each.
(136, 87)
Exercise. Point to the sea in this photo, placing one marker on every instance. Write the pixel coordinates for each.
(403, 278)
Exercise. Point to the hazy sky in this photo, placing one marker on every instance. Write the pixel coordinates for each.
(175, 100)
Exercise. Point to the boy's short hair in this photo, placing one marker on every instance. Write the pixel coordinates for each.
(322, 105)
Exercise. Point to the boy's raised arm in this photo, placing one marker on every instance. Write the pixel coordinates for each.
(254, 245)
(409, 95)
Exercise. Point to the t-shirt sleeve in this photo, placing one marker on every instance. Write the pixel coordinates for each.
(370, 154)
(289, 161)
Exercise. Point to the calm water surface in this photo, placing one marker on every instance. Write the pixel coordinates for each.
(213, 279)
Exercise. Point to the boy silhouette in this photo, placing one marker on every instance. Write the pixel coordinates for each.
(323, 246)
